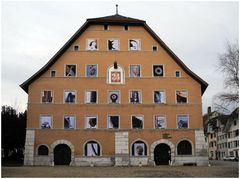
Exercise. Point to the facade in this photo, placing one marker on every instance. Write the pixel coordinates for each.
(222, 135)
(115, 94)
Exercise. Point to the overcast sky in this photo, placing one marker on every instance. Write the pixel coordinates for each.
(32, 32)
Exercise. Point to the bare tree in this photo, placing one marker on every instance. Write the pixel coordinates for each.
(228, 65)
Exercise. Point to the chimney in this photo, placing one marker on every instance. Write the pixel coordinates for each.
(209, 110)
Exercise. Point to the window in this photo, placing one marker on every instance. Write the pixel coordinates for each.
(113, 122)
(139, 148)
(159, 97)
(92, 149)
(158, 71)
(113, 97)
(182, 121)
(53, 73)
(181, 96)
(91, 97)
(91, 122)
(70, 70)
(69, 96)
(76, 48)
(137, 122)
(160, 122)
(134, 45)
(184, 148)
(92, 44)
(46, 122)
(115, 74)
(177, 74)
(69, 122)
(135, 97)
(105, 27)
(126, 27)
(135, 71)
(113, 44)
(235, 122)
(42, 150)
(47, 97)
(154, 48)
(91, 70)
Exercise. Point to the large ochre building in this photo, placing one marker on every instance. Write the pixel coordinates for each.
(115, 95)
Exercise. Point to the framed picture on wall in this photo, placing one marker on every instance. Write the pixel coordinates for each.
(91, 70)
(92, 44)
(46, 122)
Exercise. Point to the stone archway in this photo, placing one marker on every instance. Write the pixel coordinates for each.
(163, 141)
(62, 143)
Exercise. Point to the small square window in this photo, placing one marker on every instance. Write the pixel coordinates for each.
(158, 70)
(91, 122)
(113, 97)
(137, 122)
(113, 122)
(91, 70)
(134, 44)
(92, 44)
(105, 27)
(47, 97)
(69, 122)
(113, 44)
(135, 70)
(126, 27)
(182, 121)
(182, 96)
(154, 48)
(53, 73)
(70, 70)
(177, 74)
(91, 97)
(46, 122)
(76, 47)
(159, 97)
(160, 122)
(135, 97)
(69, 96)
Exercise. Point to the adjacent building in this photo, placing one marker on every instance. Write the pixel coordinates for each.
(115, 94)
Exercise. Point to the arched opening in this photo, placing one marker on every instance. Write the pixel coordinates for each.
(62, 154)
(42, 150)
(139, 148)
(92, 148)
(184, 148)
(162, 154)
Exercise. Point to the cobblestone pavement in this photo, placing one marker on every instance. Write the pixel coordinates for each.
(217, 169)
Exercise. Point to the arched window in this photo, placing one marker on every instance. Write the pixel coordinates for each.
(139, 148)
(42, 150)
(184, 148)
(92, 148)
(115, 74)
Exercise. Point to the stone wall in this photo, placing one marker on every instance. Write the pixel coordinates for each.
(121, 149)
(94, 161)
(29, 148)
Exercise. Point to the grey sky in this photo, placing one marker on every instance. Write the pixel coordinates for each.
(32, 32)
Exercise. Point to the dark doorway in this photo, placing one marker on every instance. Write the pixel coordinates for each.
(162, 154)
(62, 155)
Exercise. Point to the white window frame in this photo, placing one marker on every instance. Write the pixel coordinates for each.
(85, 121)
(86, 71)
(91, 90)
(69, 91)
(176, 96)
(52, 95)
(130, 70)
(177, 121)
(161, 115)
(118, 44)
(92, 39)
(65, 65)
(119, 96)
(163, 71)
(165, 101)
(40, 121)
(140, 44)
(137, 115)
(140, 97)
(118, 121)
(75, 121)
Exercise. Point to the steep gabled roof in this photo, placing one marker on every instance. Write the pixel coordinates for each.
(112, 20)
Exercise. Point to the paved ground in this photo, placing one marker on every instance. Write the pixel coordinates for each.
(218, 169)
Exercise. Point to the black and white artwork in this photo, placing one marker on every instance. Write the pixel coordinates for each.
(46, 122)
(92, 149)
(91, 96)
(137, 122)
(91, 70)
(92, 44)
(47, 97)
(69, 122)
(139, 149)
(91, 122)
(135, 96)
(160, 122)
(113, 97)
(113, 122)
(70, 70)
(135, 71)
(113, 44)
(181, 96)
(134, 44)
(158, 70)
(182, 121)
(69, 96)
(159, 97)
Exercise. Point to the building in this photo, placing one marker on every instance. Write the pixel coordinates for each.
(222, 133)
(115, 94)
